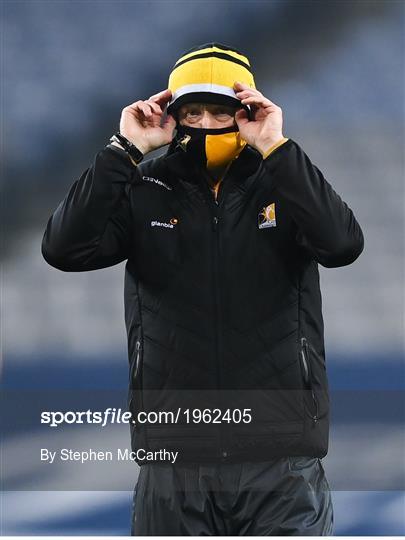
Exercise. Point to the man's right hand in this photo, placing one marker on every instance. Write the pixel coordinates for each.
(141, 122)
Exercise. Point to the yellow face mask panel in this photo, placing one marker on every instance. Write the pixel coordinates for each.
(222, 148)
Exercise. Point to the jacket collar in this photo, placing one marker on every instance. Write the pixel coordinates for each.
(244, 166)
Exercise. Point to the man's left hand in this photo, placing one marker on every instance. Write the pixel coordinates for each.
(266, 129)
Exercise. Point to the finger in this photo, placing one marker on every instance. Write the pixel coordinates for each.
(155, 107)
(241, 117)
(149, 108)
(267, 101)
(145, 109)
(240, 84)
(169, 118)
(242, 113)
(169, 122)
(262, 102)
(160, 94)
(248, 92)
(139, 110)
(162, 97)
(134, 105)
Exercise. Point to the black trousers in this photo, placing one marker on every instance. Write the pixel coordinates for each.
(287, 496)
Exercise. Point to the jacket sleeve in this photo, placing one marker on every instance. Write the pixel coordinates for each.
(326, 225)
(91, 227)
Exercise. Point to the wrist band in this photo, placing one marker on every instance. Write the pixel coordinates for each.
(133, 152)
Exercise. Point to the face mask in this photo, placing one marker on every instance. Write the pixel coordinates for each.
(210, 147)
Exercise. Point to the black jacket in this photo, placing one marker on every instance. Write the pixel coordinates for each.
(222, 298)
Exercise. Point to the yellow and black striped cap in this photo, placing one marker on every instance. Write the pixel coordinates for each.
(206, 74)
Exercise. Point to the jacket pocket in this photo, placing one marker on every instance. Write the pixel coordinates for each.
(157, 251)
(315, 384)
(135, 383)
(138, 358)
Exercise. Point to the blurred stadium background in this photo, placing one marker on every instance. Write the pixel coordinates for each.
(68, 68)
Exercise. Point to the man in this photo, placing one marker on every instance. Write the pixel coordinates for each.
(222, 235)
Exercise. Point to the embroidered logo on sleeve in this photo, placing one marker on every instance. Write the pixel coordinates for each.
(156, 181)
(267, 216)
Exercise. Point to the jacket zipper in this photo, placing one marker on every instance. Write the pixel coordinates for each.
(306, 364)
(214, 204)
(215, 228)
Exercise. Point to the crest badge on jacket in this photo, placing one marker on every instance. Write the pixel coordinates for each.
(267, 216)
